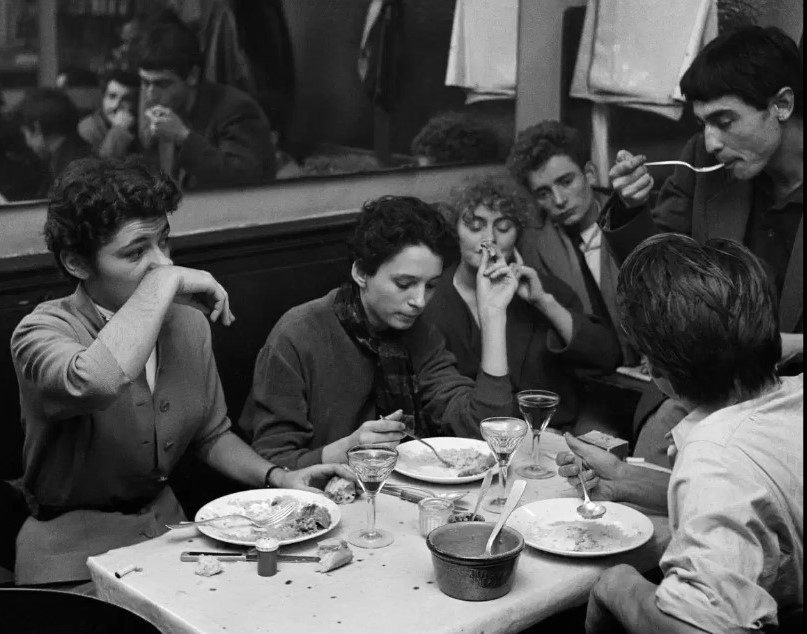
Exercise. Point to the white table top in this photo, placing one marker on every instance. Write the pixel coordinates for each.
(393, 586)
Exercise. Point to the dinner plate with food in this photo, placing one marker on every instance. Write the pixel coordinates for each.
(554, 526)
(470, 459)
(313, 515)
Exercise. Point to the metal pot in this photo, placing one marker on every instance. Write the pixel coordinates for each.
(461, 568)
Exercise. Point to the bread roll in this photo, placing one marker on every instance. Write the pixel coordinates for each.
(341, 490)
(333, 553)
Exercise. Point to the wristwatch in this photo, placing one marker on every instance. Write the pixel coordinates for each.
(266, 482)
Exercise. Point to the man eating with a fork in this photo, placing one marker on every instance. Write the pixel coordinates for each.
(118, 380)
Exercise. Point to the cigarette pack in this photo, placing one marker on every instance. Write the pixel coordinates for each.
(612, 444)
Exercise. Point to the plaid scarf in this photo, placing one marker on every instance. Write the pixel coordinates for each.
(395, 384)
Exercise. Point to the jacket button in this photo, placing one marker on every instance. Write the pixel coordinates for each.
(162, 478)
(165, 406)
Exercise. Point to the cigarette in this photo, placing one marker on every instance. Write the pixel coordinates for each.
(634, 460)
(125, 571)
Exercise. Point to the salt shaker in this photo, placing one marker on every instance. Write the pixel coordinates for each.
(434, 512)
(267, 556)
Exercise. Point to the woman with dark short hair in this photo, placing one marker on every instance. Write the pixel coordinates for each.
(549, 338)
(350, 367)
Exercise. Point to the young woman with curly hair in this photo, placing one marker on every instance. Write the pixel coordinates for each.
(332, 367)
(549, 338)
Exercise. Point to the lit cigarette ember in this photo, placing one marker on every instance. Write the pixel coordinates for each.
(487, 246)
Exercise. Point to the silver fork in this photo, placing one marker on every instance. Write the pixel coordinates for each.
(278, 515)
(439, 457)
(700, 170)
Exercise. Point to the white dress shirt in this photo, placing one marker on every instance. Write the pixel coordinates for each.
(590, 246)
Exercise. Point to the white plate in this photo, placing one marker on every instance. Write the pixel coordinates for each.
(415, 460)
(234, 531)
(555, 527)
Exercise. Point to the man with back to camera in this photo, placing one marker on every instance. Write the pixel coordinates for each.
(706, 317)
(746, 89)
(111, 130)
(550, 160)
(118, 380)
(202, 133)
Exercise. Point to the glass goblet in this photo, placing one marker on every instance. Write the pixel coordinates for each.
(537, 407)
(372, 465)
(503, 435)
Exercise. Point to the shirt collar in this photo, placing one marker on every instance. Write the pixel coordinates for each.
(592, 237)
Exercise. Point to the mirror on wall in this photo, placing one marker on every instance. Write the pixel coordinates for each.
(348, 86)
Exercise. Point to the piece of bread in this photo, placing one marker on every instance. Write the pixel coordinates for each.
(207, 566)
(341, 490)
(333, 553)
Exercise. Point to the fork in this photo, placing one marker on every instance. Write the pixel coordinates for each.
(439, 457)
(281, 513)
(700, 170)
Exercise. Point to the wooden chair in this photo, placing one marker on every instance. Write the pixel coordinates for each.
(34, 611)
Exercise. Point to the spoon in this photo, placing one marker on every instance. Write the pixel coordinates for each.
(509, 506)
(588, 510)
(700, 170)
(485, 486)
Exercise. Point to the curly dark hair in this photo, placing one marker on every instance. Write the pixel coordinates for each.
(389, 224)
(456, 137)
(537, 144)
(497, 193)
(168, 44)
(51, 108)
(705, 316)
(94, 197)
(752, 63)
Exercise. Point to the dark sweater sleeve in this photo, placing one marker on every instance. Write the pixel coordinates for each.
(275, 414)
(457, 402)
(237, 155)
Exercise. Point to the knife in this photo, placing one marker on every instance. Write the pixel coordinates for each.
(193, 555)
(415, 495)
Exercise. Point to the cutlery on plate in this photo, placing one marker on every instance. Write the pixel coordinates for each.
(439, 457)
(700, 170)
(250, 555)
(509, 506)
(278, 515)
(588, 510)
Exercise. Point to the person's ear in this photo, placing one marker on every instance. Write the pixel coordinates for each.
(359, 276)
(783, 103)
(75, 264)
(591, 174)
(193, 76)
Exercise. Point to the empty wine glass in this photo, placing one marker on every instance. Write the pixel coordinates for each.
(503, 435)
(372, 465)
(537, 407)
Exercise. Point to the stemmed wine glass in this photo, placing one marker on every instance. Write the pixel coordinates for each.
(503, 435)
(537, 407)
(372, 465)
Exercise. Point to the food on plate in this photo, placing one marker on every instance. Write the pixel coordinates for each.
(583, 535)
(207, 566)
(466, 460)
(341, 490)
(465, 516)
(333, 553)
(304, 520)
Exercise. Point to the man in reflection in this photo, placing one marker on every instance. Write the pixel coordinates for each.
(550, 160)
(455, 137)
(706, 317)
(18, 165)
(48, 120)
(111, 130)
(203, 134)
(118, 380)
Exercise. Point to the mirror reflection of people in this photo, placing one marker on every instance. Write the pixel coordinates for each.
(111, 130)
(204, 134)
(48, 119)
(549, 338)
(455, 137)
(551, 161)
(118, 380)
(746, 88)
(357, 365)
(706, 317)
(18, 164)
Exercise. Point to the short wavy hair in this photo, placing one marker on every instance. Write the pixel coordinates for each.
(387, 225)
(537, 144)
(94, 197)
(168, 44)
(705, 316)
(456, 137)
(497, 193)
(752, 63)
